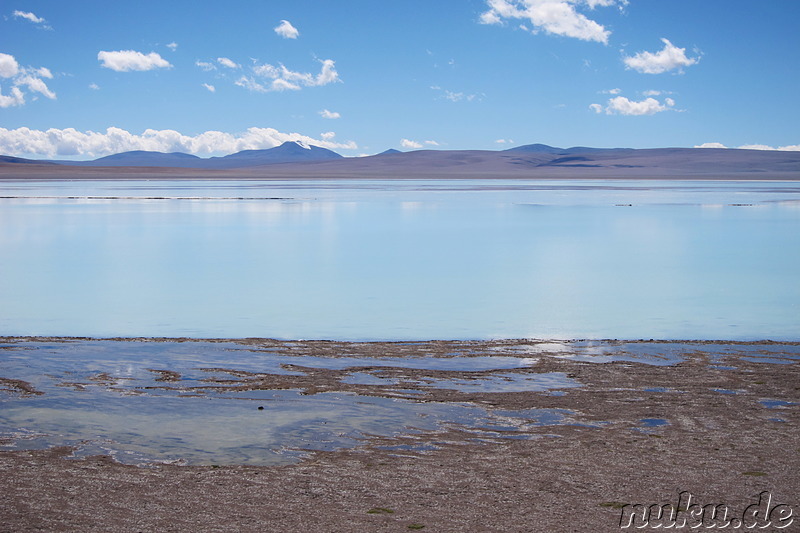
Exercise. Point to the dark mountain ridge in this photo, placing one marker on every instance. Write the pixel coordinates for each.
(22, 161)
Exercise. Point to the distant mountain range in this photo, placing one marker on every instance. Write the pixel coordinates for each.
(288, 152)
(297, 160)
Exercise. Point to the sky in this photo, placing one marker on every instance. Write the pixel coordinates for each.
(80, 80)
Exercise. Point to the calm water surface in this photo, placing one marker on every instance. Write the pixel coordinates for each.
(413, 259)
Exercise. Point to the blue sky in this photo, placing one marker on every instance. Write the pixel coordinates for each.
(83, 79)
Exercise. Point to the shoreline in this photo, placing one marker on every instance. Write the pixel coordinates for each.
(720, 442)
(165, 174)
(497, 341)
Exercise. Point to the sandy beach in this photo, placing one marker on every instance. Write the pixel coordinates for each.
(722, 430)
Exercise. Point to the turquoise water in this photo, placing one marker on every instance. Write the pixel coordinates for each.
(416, 259)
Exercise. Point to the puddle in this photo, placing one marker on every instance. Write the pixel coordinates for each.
(777, 353)
(775, 404)
(421, 447)
(659, 354)
(662, 389)
(654, 422)
(507, 382)
(365, 378)
(215, 430)
(124, 358)
(727, 391)
(462, 364)
(649, 426)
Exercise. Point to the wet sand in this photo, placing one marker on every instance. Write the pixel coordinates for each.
(720, 442)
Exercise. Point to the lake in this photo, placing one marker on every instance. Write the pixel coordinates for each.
(369, 260)
(401, 259)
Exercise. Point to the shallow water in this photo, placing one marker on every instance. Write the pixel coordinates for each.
(654, 422)
(416, 259)
(106, 397)
(776, 404)
(212, 430)
(204, 402)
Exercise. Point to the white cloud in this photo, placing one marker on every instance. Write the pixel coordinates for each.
(711, 145)
(8, 66)
(557, 17)
(330, 114)
(205, 65)
(284, 85)
(286, 30)
(456, 96)
(328, 135)
(173, 46)
(432, 143)
(606, 3)
(29, 78)
(14, 99)
(649, 106)
(127, 60)
(29, 16)
(407, 143)
(225, 62)
(267, 71)
(788, 148)
(611, 91)
(756, 147)
(669, 58)
(328, 73)
(504, 141)
(71, 142)
(285, 79)
(94, 87)
(251, 84)
(621, 105)
(41, 71)
(210, 88)
(35, 83)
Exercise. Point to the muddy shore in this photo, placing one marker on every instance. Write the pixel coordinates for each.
(641, 433)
